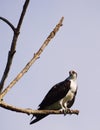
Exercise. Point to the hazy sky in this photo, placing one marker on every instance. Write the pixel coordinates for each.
(76, 46)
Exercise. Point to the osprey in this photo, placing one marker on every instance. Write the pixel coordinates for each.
(60, 97)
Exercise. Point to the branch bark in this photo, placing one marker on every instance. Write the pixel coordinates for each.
(30, 111)
(13, 44)
(35, 57)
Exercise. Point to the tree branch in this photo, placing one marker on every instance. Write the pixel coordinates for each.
(22, 14)
(35, 57)
(30, 111)
(7, 22)
(13, 44)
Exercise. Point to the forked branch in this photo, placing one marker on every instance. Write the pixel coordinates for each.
(13, 44)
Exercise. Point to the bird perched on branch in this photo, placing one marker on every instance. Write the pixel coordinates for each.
(60, 97)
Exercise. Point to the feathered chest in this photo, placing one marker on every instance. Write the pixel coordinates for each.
(72, 90)
(73, 86)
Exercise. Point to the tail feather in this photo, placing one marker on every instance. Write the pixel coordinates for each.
(37, 118)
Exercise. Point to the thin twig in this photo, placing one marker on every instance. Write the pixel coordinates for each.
(22, 14)
(8, 22)
(35, 57)
(30, 111)
(13, 44)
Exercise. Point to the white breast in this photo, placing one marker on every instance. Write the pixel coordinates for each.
(69, 96)
(73, 86)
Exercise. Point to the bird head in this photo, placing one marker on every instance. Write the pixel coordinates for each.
(72, 74)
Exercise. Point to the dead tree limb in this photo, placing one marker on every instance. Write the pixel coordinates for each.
(13, 44)
(35, 57)
(30, 111)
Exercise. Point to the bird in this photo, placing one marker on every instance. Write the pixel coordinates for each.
(60, 97)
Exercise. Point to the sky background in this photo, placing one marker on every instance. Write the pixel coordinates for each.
(76, 46)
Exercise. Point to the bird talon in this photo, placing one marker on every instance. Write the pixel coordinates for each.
(68, 111)
(64, 111)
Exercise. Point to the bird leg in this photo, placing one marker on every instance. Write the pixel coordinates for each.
(65, 109)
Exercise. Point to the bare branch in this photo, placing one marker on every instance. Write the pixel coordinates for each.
(13, 44)
(30, 111)
(35, 57)
(22, 14)
(7, 22)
